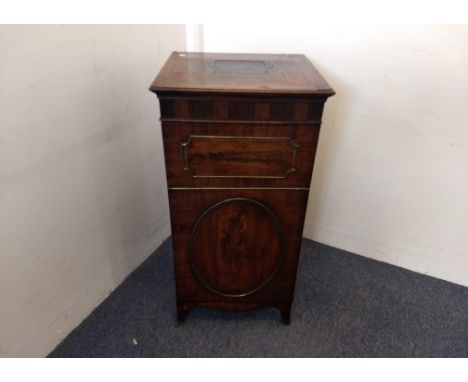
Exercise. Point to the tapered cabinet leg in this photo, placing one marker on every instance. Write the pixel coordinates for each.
(182, 311)
(285, 314)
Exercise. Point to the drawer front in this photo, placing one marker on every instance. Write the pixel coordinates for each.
(219, 156)
(239, 155)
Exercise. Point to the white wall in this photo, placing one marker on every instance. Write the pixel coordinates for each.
(82, 184)
(391, 177)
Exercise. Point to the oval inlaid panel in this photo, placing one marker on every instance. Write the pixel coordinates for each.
(236, 247)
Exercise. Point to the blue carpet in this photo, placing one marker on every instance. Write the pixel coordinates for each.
(345, 306)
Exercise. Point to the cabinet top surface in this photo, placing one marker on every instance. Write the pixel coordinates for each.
(240, 73)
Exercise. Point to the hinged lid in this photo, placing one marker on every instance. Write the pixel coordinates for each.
(240, 73)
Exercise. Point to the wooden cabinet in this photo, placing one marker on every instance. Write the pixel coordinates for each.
(240, 133)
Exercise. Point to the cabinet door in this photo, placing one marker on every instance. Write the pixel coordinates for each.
(236, 245)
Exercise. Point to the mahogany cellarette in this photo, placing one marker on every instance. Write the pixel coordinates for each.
(240, 133)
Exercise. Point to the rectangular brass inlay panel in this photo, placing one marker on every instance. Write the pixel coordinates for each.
(207, 156)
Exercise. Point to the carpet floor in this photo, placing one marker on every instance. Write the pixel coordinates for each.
(345, 305)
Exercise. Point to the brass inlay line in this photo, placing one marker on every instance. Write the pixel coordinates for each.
(312, 122)
(238, 188)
